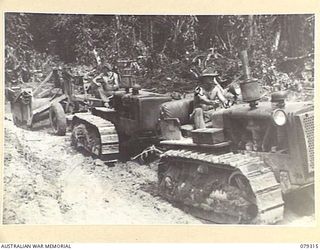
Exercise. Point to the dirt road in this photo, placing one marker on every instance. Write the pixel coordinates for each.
(48, 182)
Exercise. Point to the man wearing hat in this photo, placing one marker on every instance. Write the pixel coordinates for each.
(107, 82)
(204, 98)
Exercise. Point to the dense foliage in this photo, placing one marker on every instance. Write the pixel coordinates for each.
(167, 48)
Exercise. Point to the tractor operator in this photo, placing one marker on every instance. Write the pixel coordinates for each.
(107, 82)
(204, 98)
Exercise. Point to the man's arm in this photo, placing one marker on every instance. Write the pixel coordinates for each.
(116, 81)
(203, 99)
(96, 78)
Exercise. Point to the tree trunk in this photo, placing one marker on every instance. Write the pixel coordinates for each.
(117, 33)
(134, 36)
(293, 29)
(151, 33)
(276, 42)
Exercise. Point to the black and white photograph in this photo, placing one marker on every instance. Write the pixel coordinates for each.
(117, 119)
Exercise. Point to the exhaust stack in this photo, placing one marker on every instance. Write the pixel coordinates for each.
(250, 88)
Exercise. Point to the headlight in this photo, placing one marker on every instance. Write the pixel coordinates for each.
(279, 117)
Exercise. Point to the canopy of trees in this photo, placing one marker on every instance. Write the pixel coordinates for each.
(166, 47)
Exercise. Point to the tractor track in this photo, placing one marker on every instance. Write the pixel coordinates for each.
(210, 183)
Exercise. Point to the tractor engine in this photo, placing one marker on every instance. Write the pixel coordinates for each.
(136, 120)
(128, 127)
(280, 133)
(138, 111)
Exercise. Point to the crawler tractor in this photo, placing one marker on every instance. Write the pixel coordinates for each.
(237, 170)
(126, 127)
(234, 171)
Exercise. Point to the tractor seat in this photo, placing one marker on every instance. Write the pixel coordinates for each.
(180, 109)
(175, 119)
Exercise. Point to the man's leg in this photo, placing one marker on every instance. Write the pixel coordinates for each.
(198, 118)
(103, 95)
(217, 92)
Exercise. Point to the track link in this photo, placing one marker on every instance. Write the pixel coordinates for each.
(96, 135)
(231, 188)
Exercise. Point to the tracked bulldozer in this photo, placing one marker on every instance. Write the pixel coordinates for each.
(126, 127)
(238, 168)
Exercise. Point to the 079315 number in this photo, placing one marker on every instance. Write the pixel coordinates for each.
(309, 246)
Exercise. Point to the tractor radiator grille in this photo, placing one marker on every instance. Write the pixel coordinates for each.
(307, 135)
